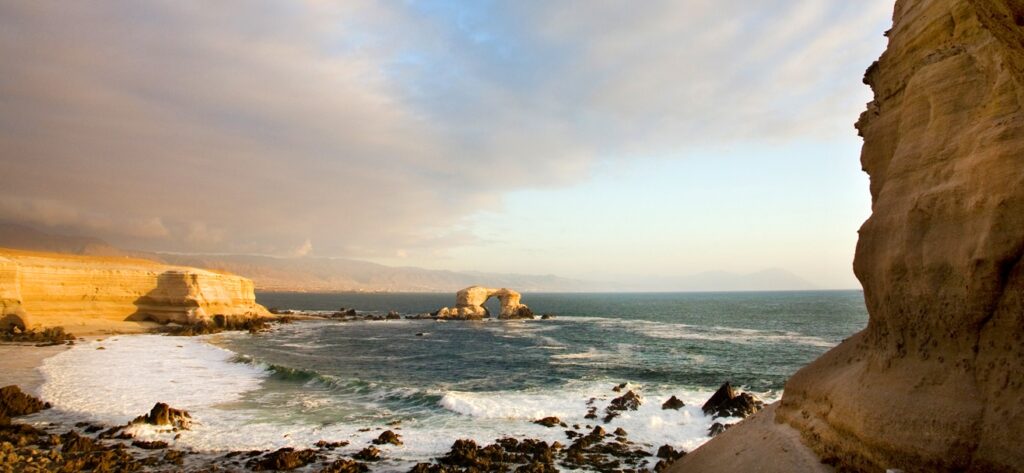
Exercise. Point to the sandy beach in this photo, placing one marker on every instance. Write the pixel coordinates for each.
(20, 365)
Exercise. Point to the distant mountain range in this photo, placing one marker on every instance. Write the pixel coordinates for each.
(317, 274)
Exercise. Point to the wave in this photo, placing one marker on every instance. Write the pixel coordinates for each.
(676, 331)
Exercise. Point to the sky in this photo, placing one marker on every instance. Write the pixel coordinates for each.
(624, 141)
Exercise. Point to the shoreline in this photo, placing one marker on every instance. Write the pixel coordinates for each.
(28, 360)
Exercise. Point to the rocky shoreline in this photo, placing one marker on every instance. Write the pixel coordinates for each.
(86, 446)
(103, 448)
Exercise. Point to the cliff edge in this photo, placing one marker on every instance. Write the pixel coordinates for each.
(91, 294)
(934, 383)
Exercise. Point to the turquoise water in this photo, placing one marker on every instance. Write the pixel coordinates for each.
(755, 340)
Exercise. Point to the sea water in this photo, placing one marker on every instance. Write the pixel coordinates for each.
(435, 382)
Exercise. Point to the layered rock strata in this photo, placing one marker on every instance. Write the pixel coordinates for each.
(934, 382)
(469, 304)
(88, 293)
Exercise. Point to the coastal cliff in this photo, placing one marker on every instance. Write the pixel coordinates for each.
(88, 294)
(934, 382)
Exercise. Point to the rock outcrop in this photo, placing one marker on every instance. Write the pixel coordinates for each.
(88, 293)
(934, 382)
(469, 304)
(726, 402)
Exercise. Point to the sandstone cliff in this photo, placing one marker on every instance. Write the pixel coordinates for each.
(935, 382)
(89, 294)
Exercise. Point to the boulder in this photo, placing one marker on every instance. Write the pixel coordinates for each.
(282, 459)
(717, 428)
(164, 415)
(368, 454)
(388, 437)
(15, 403)
(345, 465)
(727, 403)
(673, 403)
(549, 421)
(629, 401)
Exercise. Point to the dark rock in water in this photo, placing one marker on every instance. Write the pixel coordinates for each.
(629, 401)
(521, 312)
(549, 422)
(669, 455)
(420, 334)
(146, 445)
(165, 415)
(669, 452)
(14, 403)
(345, 465)
(591, 413)
(325, 445)
(620, 432)
(620, 387)
(726, 403)
(388, 437)
(393, 315)
(547, 316)
(283, 459)
(673, 403)
(717, 428)
(368, 454)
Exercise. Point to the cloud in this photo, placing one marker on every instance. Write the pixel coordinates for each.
(303, 249)
(373, 128)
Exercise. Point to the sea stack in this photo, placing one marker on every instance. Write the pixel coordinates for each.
(934, 382)
(469, 304)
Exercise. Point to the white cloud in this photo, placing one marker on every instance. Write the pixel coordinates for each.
(374, 128)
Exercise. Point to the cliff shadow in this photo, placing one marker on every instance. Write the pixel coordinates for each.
(168, 302)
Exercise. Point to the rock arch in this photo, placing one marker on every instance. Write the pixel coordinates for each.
(469, 304)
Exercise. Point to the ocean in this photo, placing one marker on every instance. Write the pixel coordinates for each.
(435, 382)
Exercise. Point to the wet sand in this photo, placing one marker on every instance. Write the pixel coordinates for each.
(19, 364)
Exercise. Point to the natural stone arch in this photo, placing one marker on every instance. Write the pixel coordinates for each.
(469, 304)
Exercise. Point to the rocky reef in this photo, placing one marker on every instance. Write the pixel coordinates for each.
(469, 304)
(90, 294)
(934, 382)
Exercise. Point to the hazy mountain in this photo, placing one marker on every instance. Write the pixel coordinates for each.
(312, 274)
(337, 274)
(28, 238)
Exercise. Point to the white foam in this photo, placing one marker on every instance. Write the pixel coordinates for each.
(124, 380)
(734, 335)
(131, 373)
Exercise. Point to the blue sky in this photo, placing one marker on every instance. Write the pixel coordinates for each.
(623, 141)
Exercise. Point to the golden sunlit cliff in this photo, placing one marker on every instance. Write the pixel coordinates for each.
(91, 294)
(934, 382)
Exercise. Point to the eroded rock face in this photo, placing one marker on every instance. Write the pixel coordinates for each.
(469, 304)
(13, 402)
(934, 382)
(89, 293)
